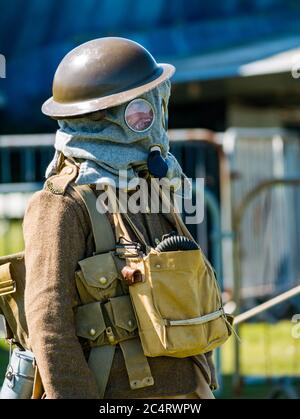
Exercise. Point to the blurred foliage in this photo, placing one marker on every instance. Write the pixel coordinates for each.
(11, 237)
(3, 358)
(266, 349)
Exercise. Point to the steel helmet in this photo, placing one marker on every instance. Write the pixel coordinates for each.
(103, 73)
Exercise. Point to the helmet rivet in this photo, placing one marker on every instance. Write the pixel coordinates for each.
(130, 323)
(157, 266)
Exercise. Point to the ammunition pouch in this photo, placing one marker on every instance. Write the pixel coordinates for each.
(98, 279)
(106, 324)
(106, 318)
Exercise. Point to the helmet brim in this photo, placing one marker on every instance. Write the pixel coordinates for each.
(66, 110)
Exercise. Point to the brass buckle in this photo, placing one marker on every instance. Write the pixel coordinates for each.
(7, 285)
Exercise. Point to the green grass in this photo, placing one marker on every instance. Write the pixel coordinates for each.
(266, 349)
(3, 358)
(266, 390)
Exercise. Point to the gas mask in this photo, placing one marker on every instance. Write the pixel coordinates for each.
(128, 138)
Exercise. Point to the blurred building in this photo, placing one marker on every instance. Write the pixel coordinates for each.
(233, 57)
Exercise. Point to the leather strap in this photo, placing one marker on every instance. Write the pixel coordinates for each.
(38, 389)
(100, 362)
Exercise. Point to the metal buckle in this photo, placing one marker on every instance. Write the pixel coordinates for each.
(10, 283)
(10, 376)
(129, 249)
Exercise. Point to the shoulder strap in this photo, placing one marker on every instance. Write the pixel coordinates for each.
(120, 226)
(57, 184)
(102, 229)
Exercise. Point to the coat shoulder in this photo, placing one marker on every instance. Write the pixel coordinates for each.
(66, 208)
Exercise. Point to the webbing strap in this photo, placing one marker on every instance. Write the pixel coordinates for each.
(137, 366)
(118, 218)
(196, 320)
(100, 362)
(102, 229)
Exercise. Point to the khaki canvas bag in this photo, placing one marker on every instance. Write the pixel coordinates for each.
(178, 303)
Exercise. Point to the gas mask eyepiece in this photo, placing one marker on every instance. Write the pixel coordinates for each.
(139, 115)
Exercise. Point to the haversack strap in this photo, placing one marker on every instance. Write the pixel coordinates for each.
(102, 229)
(120, 227)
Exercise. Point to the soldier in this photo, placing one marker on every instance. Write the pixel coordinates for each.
(110, 98)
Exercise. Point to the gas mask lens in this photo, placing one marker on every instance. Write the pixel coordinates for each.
(139, 115)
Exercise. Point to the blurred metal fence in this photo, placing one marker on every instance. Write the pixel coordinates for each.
(24, 158)
(201, 157)
(262, 206)
(270, 228)
(268, 259)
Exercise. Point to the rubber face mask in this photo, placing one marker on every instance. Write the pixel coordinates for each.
(130, 137)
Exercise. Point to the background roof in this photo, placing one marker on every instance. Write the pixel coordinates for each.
(205, 40)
